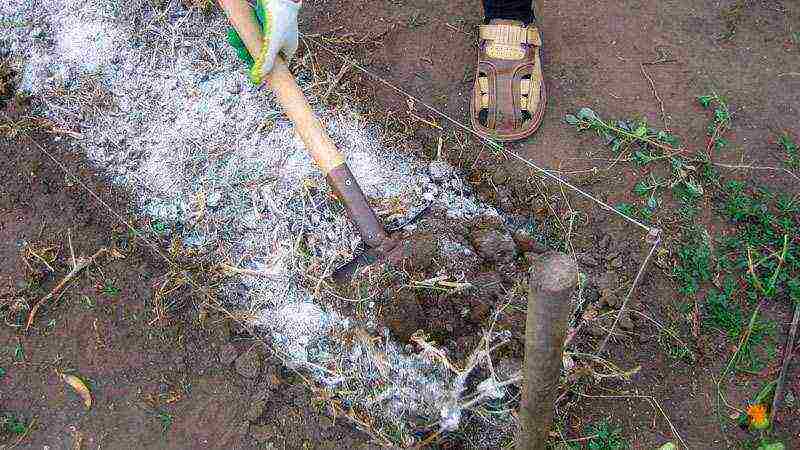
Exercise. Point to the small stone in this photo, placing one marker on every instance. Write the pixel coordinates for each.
(587, 259)
(261, 433)
(440, 171)
(494, 246)
(248, 364)
(527, 243)
(227, 354)
(596, 331)
(609, 298)
(616, 262)
(256, 409)
(500, 176)
(625, 321)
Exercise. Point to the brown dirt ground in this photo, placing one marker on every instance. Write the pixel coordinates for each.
(593, 52)
(137, 365)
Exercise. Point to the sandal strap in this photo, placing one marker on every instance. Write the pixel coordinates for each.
(511, 34)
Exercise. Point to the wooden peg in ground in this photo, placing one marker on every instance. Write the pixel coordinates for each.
(552, 281)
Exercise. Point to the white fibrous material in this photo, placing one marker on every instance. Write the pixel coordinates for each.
(163, 106)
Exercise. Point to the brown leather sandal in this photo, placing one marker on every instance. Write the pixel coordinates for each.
(509, 96)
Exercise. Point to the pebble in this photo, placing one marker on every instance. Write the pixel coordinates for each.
(625, 321)
(440, 171)
(248, 364)
(608, 298)
(494, 246)
(500, 176)
(587, 259)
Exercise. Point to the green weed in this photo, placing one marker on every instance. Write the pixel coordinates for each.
(13, 425)
(604, 436)
(694, 261)
(110, 289)
(160, 228)
(18, 352)
(166, 420)
(720, 124)
(635, 141)
(755, 342)
(789, 146)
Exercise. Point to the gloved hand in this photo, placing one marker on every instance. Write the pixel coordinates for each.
(280, 34)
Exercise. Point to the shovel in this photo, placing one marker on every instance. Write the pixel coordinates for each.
(380, 246)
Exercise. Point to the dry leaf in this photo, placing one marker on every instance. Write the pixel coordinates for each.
(80, 387)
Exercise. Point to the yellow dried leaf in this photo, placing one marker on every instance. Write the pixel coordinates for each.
(80, 387)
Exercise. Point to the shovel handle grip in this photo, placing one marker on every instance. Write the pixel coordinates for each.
(283, 84)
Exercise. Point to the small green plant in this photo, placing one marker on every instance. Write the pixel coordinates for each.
(789, 146)
(160, 228)
(635, 141)
(694, 261)
(18, 352)
(110, 289)
(604, 436)
(13, 425)
(165, 419)
(721, 123)
(88, 302)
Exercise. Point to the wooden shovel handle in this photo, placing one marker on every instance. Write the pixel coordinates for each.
(294, 103)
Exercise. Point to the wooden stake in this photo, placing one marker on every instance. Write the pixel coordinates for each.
(552, 282)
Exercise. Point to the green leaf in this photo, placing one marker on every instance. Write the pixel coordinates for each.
(641, 189)
(587, 114)
(641, 131)
(571, 119)
(2, 372)
(626, 208)
(668, 446)
(773, 446)
(705, 100)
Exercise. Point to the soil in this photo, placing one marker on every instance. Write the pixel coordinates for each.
(191, 381)
(596, 55)
(223, 390)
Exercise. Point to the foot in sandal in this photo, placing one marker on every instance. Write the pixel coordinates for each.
(509, 93)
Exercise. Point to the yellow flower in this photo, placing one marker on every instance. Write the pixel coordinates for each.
(757, 414)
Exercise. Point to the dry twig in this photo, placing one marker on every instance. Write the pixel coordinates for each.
(77, 268)
(787, 357)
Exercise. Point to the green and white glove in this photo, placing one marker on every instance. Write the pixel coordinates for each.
(280, 35)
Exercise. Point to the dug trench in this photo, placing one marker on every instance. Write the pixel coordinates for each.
(165, 366)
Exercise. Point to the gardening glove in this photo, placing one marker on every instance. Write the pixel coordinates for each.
(280, 34)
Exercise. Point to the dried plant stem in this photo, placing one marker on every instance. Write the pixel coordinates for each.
(76, 270)
(787, 357)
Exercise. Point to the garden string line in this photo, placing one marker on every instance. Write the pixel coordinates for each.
(544, 171)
